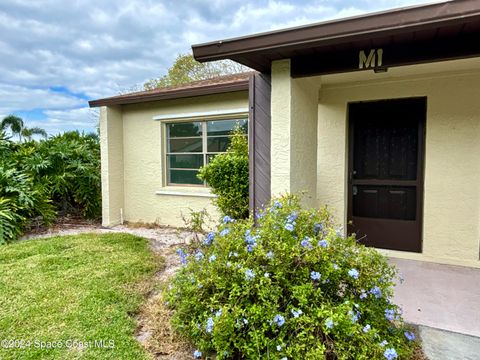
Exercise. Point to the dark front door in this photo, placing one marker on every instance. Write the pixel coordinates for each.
(386, 172)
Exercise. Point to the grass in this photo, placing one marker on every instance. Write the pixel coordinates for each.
(72, 291)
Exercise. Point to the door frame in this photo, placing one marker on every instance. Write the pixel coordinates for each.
(419, 183)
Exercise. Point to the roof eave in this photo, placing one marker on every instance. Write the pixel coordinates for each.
(170, 95)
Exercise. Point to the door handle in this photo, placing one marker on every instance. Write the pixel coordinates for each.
(354, 190)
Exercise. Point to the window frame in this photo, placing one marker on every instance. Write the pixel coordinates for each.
(204, 119)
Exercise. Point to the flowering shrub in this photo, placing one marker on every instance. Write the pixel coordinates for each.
(293, 287)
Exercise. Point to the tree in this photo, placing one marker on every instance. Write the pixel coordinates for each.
(186, 69)
(12, 123)
(17, 127)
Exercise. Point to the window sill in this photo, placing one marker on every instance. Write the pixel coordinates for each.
(186, 191)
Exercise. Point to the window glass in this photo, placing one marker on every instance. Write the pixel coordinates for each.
(184, 177)
(185, 129)
(192, 144)
(218, 144)
(185, 145)
(185, 161)
(225, 127)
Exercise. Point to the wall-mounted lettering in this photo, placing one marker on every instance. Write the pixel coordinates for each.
(373, 60)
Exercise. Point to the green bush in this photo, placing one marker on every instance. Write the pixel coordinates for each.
(227, 175)
(293, 287)
(40, 179)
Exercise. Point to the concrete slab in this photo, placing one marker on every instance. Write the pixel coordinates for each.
(439, 296)
(445, 345)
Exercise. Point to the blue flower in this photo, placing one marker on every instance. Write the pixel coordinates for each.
(251, 247)
(209, 327)
(335, 266)
(354, 316)
(249, 239)
(296, 313)
(198, 255)
(353, 273)
(323, 243)
(249, 274)
(315, 275)
(183, 256)
(227, 219)
(267, 275)
(197, 354)
(384, 343)
(390, 354)
(363, 295)
(317, 228)
(259, 215)
(269, 255)
(277, 204)
(279, 320)
(289, 226)
(212, 258)
(234, 254)
(292, 217)
(339, 232)
(279, 348)
(366, 328)
(376, 291)
(224, 232)
(329, 323)
(409, 335)
(389, 314)
(218, 313)
(306, 243)
(208, 240)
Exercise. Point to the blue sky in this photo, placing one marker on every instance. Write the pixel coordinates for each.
(56, 55)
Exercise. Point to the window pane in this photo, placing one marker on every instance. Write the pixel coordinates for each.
(225, 127)
(185, 161)
(185, 145)
(188, 177)
(210, 157)
(185, 129)
(218, 144)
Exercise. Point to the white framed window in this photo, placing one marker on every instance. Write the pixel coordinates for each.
(192, 144)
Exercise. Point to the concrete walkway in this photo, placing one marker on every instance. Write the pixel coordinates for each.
(444, 301)
(439, 296)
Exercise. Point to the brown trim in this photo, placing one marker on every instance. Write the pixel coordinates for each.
(257, 51)
(171, 94)
(259, 141)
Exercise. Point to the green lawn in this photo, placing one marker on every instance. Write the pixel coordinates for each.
(72, 291)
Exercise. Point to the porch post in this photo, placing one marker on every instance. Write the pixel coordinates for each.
(294, 134)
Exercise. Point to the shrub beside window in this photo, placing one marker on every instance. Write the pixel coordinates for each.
(227, 175)
(294, 287)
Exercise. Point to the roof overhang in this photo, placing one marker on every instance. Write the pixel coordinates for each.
(439, 24)
(176, 93)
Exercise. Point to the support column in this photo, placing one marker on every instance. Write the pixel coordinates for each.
(294, 134)
(111, 146)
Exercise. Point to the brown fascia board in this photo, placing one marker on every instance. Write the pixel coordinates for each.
(173, 94)
(385, 23)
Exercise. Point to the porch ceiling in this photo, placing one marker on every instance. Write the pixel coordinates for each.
(440, 24)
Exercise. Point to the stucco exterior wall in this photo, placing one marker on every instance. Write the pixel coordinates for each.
(451, 222)
(144, 164)
(294, 137)
(111, 146)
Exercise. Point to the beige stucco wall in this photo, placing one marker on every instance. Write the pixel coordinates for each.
(143, 160)
(451, 229)
(294, 137)
(111, 146)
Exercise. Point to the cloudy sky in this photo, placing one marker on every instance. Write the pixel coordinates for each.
(56, 55)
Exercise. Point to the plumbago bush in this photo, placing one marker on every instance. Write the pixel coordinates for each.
(291, 287)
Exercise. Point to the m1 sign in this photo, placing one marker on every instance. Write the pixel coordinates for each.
(349, 57)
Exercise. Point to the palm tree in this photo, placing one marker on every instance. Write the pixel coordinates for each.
(14, 123)
(17, 127)
(27, 133)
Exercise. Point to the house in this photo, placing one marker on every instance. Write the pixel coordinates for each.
(377, 116)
